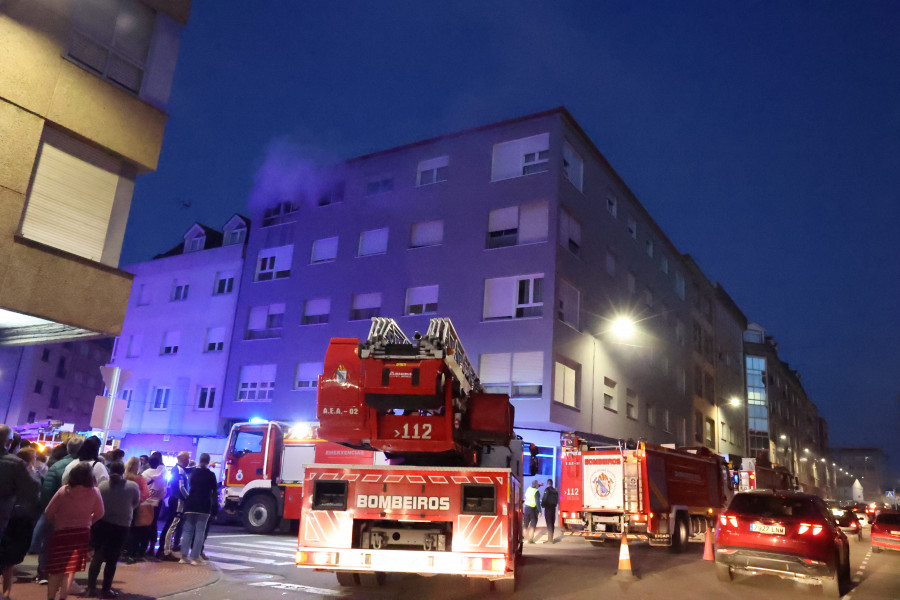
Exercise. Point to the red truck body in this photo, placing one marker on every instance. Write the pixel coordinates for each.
(656, 494)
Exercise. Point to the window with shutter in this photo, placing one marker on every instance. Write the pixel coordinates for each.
(215, 339)
(513, 297)
(374, 241)
(573, 166)
(527, 374)
(324, 250)
(316, 311)
(433, 170)
(274, 263)
(564, 384)
(365, 306)
(307, 375)
(171, 340)
(569, 232)
(257, 383)
(422, 300)
(568, 304)
(426, 233)
(265, 322)
(524, 156)
(224, 283)
(495, 372)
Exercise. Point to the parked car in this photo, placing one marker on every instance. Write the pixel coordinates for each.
(886, 531)
(847, 520)
(788, 534)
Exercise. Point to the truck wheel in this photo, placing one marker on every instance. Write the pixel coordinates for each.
(724, 573)
(260, 515)
(347, 578)
(680, 535)
(375, 579)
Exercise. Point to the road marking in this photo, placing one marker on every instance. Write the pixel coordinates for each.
(290, 545)
(294, 587)
(229, 566)
(266, 552)
(262, 561)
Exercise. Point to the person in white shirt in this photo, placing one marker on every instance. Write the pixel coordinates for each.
(90, 454)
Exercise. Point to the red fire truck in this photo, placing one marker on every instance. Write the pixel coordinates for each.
(450, 500)
(759, 473)
(660, 495)
(264, 463)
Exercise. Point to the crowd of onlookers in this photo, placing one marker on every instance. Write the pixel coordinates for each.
(77, 508)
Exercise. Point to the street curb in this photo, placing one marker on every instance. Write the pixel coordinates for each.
(217, 577)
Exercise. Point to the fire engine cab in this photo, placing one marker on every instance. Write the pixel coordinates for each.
(450, 500)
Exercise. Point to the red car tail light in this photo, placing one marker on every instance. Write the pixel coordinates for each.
(728, 520)
(853, 525)
(809, 529)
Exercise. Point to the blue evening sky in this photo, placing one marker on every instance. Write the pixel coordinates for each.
(763, 136)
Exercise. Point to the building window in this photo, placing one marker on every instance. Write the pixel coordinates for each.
(610, 263)
(380, 186)
(179, 291)
(195, 244)
(374, 241)
(709, 429)
(422, 300)
(365, 306)
(135, 341)
(143, 295)
(171, 340)
(112, 39)
(667, 423)
(74, 183)
(631, 404)
(679, 332)
(274, 263)
(664, 264)
(127, 396)
(612, 205)
(517, 374)
(161, 398)
(257, 383)
(513, 297)
(651, 415)
(514, 225)
(568, 303)
(224, 283)
(565, 384)
(649, 248)
(307, 375)
(610, 401)
(632, 228)
(332, 195)
(45, 355)
(569, 232)
(38, 386)
(524, 156)
(215, 339)
(279, 213)
(679, 285)
(723, 431)
(54, 397)
(265, 322)
(206, 398)
(573, 166)
(426, 233)
(433, 170)
(316, 311)
(61, 371)
(235, 236)
(324, 250)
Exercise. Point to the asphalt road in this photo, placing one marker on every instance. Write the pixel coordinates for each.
(261, 568)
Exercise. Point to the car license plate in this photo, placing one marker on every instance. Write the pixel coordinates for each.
(763, 528)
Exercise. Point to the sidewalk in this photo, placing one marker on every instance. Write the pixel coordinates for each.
(135, 582)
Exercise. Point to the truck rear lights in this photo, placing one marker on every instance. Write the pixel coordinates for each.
(316, 558)
(329, 495)
(809, 529)
(479, 499)
(725, 521)
(474, 563)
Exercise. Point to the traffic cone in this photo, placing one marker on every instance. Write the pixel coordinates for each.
(624, 571)
(707, 546)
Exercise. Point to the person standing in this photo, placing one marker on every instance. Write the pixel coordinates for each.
(136, 545)
(532, 502)
(178, 492)
(120, 498)
(15, 482)
(17, 536)
(202, 495)
(549, 502)
(49, 486)
(156, 482)
(74, 508)
(90, 454)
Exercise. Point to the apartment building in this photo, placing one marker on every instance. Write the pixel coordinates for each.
(523, 234)
(784, 425)
(83, 92)
(175, 341)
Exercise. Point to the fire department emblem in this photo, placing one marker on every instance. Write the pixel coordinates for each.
(341, 374)
(239, 475)
(604, 484)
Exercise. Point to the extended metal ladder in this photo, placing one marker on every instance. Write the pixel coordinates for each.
(631, 472)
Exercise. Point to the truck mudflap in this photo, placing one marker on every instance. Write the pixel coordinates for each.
(493, 566)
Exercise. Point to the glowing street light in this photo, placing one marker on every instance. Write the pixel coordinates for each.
(623, 327)
(735, 401)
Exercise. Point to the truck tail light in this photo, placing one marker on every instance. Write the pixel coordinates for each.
(316, 558)
(809, 529)
(486, 564)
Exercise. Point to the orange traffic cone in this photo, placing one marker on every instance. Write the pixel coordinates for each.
(707, 546)
(624, 571)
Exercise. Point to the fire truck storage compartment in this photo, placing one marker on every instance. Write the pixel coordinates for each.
(292, 461)
(403, 535)
(479, 499)
(329, 494)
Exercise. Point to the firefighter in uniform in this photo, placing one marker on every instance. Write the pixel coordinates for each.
(532, 509)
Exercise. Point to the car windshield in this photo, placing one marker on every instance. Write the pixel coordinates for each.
(772, 506)
(888, 518)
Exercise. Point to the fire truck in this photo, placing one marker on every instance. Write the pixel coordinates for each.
(759, 473)
(264, 463)
(654, 494)
(449, 501)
